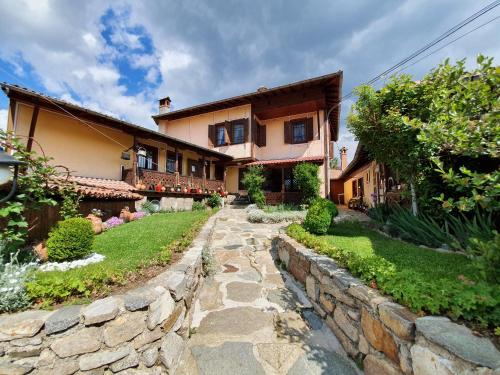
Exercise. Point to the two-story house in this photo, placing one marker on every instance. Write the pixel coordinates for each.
(277, 128)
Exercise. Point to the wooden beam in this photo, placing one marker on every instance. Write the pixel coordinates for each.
(31, 134)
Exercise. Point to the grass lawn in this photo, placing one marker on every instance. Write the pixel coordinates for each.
(425, 280)
(128, 248)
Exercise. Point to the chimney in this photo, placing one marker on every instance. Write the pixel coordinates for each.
(343, 158)
(164, 105)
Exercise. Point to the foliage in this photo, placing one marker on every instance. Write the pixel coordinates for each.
(13, 275)
(32, 192)
(128, 249)
(257, 215)
(283, 207)
(380, 213)
(253, 180)
(320, 216)
(214, 200)
(70, 202)
(402, 270)
(486, 256)
(198, 206)
(440, 134)
(306, 177)
(150, 207)
(70, 239)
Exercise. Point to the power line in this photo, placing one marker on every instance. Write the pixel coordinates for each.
(447, 44)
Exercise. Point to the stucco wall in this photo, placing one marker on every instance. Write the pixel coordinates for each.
(194, 129)
(83, 150)
(369, 185)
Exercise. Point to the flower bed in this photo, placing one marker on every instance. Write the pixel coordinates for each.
(256, 215)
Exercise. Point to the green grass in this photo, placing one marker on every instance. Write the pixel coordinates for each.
(425, 280)
(128, 248)
(352, 237)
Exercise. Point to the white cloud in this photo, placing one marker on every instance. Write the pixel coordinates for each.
(3, 119)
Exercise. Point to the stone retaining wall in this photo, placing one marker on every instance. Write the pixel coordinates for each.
(387, 337)
(144, 328)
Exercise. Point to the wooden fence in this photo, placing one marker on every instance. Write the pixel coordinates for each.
(41, 221)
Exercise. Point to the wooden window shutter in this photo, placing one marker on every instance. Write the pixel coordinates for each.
(255, 130)
(309, 129)
(262, 136)
(211, 135)
(288, 132)
(228, 125)
(245, 129)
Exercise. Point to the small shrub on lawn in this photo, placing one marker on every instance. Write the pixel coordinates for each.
(306, 177)
(198, 206)
(456, 292)
(71, 239)
(486, 257)
(214, 200)
(260, 216)
(320, 216)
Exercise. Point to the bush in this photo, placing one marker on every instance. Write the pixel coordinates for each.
(70, 239)
(214, 200)
(320, 216)
(486, 256)
(198, 206)
(306, 177)
(253, 179)
(260, 216)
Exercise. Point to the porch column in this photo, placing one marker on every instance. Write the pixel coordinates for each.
(282, 184)
(135, 168)
(224, 177)
(204, 172)
(176, 166)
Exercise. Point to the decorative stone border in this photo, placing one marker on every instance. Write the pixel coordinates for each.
(143, 328)
(385, 335)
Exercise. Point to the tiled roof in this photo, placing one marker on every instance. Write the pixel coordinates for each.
(101, 188)
(311, 159)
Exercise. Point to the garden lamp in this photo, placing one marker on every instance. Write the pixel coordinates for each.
(6, 163)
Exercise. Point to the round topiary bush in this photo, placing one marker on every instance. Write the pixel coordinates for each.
(71, 239)
(320, 216)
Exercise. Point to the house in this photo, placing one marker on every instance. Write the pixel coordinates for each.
(102, 150)
(363, 182)
(277, 128)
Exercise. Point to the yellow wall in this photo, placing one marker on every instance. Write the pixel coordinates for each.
(74, 145)
(368, 183)
(232, 180)
(194, 129)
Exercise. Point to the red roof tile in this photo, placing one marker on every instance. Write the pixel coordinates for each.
(100, 188)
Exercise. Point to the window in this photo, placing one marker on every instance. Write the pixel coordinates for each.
(298, 132)
(238, 135)
(220, 137)
(150, 160)
(170, 162)
(219, 172)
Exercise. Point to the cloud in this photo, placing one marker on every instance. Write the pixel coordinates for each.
(3, 119)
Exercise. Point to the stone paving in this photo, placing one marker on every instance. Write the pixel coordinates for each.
(252, 318)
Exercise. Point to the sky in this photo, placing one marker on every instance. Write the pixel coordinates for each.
(120, 57)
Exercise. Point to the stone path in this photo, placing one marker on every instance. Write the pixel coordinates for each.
(250, 318)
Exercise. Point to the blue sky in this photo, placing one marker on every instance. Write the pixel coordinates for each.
(119, 57)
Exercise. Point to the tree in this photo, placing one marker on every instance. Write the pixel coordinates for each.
(306, 177)
(253, 180)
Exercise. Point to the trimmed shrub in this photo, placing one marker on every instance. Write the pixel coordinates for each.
(306, 177)
(71, 239)
(320, 216)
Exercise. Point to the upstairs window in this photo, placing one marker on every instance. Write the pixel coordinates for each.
(238, 135)
(150, 160)
(220, 137)
(298, 132)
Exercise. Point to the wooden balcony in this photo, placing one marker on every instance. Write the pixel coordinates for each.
(151, 179)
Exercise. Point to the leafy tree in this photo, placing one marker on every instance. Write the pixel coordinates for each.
(253, 180)
(307, 180)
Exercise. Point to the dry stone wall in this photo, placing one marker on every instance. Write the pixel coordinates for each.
(386, 336)
(142, 331)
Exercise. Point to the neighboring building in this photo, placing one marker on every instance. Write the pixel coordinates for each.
(276, 128)
(100, 148)
(364, 181)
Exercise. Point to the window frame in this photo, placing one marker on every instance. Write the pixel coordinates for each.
(294, 124)
(224, 141)
(234, 126)
(151, 153)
